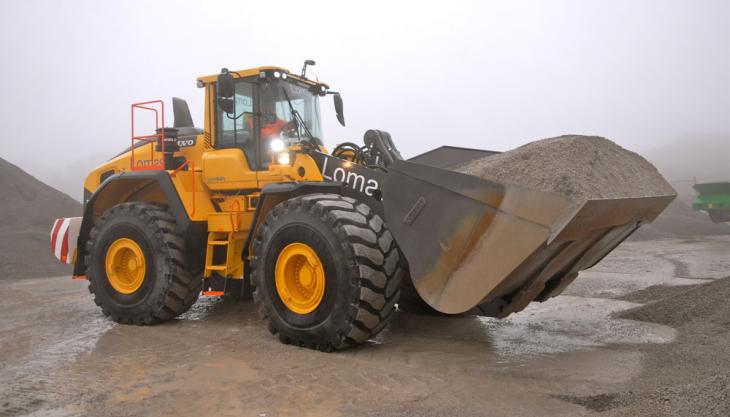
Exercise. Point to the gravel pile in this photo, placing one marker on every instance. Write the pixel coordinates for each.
(578, 167)
(691, 376)
(28, 208)
(707, 303)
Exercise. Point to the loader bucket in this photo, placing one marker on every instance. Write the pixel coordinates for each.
(471, 242)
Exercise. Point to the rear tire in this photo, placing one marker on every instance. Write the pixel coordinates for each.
(193, 296)
(167, 289)
(360, 261)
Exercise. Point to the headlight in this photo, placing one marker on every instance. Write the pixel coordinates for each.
(277, 145)
(283, 158)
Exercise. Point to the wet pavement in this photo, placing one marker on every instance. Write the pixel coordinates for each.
(60, 357)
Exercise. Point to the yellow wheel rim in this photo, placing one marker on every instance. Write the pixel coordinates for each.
(125, 265)
(300, 279)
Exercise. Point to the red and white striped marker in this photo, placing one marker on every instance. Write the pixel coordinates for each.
(64, 234)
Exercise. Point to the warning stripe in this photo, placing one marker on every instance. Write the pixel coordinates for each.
(59, 238)
(64, 245)
(64, 236)
(61, 232)
(54, 234)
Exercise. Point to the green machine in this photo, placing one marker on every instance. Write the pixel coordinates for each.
(714, 198)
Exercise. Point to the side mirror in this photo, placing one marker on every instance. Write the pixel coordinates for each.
(226, 104)
(225, 84)
(338, 109)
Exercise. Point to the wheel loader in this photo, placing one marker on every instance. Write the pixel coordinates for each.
(253, 204)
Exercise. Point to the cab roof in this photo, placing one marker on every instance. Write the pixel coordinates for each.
(252, 72)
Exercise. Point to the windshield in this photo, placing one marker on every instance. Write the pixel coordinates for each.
(278, 99)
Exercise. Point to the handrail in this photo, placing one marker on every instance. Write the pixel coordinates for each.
(159, 120)
(238, 215)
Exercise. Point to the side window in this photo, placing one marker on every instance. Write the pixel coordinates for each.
(235, 129)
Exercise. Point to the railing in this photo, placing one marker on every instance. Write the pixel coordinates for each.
(158, 108)
(237, 224)
(157, 137)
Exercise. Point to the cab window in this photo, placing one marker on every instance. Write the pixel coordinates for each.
(236, 129)
(279, 101)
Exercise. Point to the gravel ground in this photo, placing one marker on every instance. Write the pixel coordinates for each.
(588, 352)
(690, 377)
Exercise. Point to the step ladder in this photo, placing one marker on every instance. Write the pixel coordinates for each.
(233, 242)
(224, 234)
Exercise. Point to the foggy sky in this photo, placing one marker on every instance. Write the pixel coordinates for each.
(476, 74)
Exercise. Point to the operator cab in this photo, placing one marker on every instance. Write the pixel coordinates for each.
(267, 110)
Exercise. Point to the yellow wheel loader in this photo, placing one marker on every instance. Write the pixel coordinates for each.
(253, 204)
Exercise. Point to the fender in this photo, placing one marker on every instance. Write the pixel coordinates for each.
(340, 177)
(274, 193)
(152, 186)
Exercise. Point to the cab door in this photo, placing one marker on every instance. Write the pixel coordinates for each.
(230, 166)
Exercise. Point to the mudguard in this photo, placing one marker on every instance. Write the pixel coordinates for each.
(119, 188)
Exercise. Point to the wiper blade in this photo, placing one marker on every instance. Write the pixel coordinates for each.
(299, 119)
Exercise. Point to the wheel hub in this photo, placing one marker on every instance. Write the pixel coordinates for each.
(125, 265)
(300, 278)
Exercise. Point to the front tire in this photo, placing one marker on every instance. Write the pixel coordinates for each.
(343, 268)
(135, 265)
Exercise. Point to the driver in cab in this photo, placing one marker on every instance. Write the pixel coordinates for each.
(272, 130)
(271, 125)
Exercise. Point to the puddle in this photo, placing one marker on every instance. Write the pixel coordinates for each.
(83, 339)
(55, 412)
(567, 324)
(31, 384)
(201, 309)
(602, 284)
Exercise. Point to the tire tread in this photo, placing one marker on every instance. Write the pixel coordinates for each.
(373, 268)
(181, 287)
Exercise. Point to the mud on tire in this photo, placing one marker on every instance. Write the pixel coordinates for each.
(362, 268)
(167, 290)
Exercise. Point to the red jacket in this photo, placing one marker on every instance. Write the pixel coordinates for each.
(273, 129)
